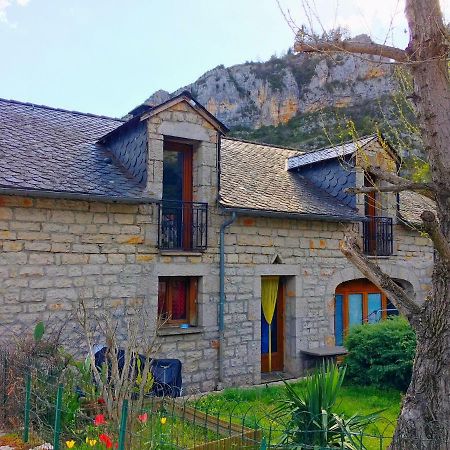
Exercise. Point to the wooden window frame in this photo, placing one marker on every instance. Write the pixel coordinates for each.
(188, 157)
(372, 209)
(359, 287)
(191, 300)
(188, 186)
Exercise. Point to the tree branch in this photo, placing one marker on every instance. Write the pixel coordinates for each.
(390, 177)
(441, 244)
(405, 304)
(398, 184)
(423, 188)
(350, 46)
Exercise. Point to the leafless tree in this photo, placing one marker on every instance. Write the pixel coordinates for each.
(131, 344)
(424, 421)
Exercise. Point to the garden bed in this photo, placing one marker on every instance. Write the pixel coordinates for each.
(253, 408)
(191, 428)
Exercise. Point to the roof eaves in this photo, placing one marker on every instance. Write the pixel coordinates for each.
(51, 108)
(72, 195)
(291, 215)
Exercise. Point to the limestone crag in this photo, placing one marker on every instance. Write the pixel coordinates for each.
(255, 94)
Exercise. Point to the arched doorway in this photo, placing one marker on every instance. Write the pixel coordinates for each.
(356, 302)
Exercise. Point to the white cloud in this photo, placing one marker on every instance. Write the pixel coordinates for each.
(4, 5)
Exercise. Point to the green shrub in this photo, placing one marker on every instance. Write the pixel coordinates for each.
(381, 354)
(311, 416)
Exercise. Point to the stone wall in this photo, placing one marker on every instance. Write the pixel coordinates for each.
(313, 267)
(56, 252)
(181, 121)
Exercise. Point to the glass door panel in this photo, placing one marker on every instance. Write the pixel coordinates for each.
(339, 319)
(391, 309)
(173, 175)
(374, 308)
(355, 309)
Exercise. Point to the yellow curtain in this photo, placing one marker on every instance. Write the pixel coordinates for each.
(269, 293)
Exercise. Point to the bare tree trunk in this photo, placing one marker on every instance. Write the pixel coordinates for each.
(425, 413)
(424, 422)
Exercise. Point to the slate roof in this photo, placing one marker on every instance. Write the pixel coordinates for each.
(49, 149)
(328, 153)
(411, 206)
(254, 177)
(54, 151)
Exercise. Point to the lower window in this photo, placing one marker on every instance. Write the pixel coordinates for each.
(177, 300)
(358, 302)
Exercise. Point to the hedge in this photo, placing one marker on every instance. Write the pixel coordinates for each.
(381, 354)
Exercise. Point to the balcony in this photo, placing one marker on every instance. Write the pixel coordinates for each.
(182, 226)
(377, 236)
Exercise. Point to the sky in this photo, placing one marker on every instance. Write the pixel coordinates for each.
(107, 56)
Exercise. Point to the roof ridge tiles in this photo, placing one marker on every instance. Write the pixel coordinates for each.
(264, 144)
(52, 108)
(341, 144)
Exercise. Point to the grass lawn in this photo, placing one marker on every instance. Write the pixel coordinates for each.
(254, 406)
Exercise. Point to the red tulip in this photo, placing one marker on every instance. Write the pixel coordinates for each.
(101, 401)
(99, 420)
(106, 440)
(143, 418)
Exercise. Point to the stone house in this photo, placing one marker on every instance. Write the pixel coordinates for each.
(165, 210)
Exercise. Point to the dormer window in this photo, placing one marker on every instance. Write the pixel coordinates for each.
(177, 172)
(182, 222)
(377, 230)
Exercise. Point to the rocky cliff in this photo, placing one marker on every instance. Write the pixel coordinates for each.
(308, 101)
(253, 94)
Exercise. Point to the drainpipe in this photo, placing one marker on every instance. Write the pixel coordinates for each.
(222, 292)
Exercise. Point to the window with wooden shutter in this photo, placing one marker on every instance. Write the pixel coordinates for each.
(177, 300)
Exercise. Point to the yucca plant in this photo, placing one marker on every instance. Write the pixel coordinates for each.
(310, 415)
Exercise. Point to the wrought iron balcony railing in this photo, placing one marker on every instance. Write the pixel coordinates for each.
(378, 236)
(182, 225)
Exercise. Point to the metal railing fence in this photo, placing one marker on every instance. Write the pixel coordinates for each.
(182, 225)
(43, 406)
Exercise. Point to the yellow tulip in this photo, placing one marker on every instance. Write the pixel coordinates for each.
(70, 444)
(90, 441)
(163, 420)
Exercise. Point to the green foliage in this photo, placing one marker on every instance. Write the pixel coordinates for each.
(241, 91)
(271, 71)
(313, 130)
(420, 170)
(143, 379)
(381, 354)
(312, 417)
(303, 72)
(255, 405)
(39, 331)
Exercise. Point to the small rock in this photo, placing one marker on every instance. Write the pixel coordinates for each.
(45, 446)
